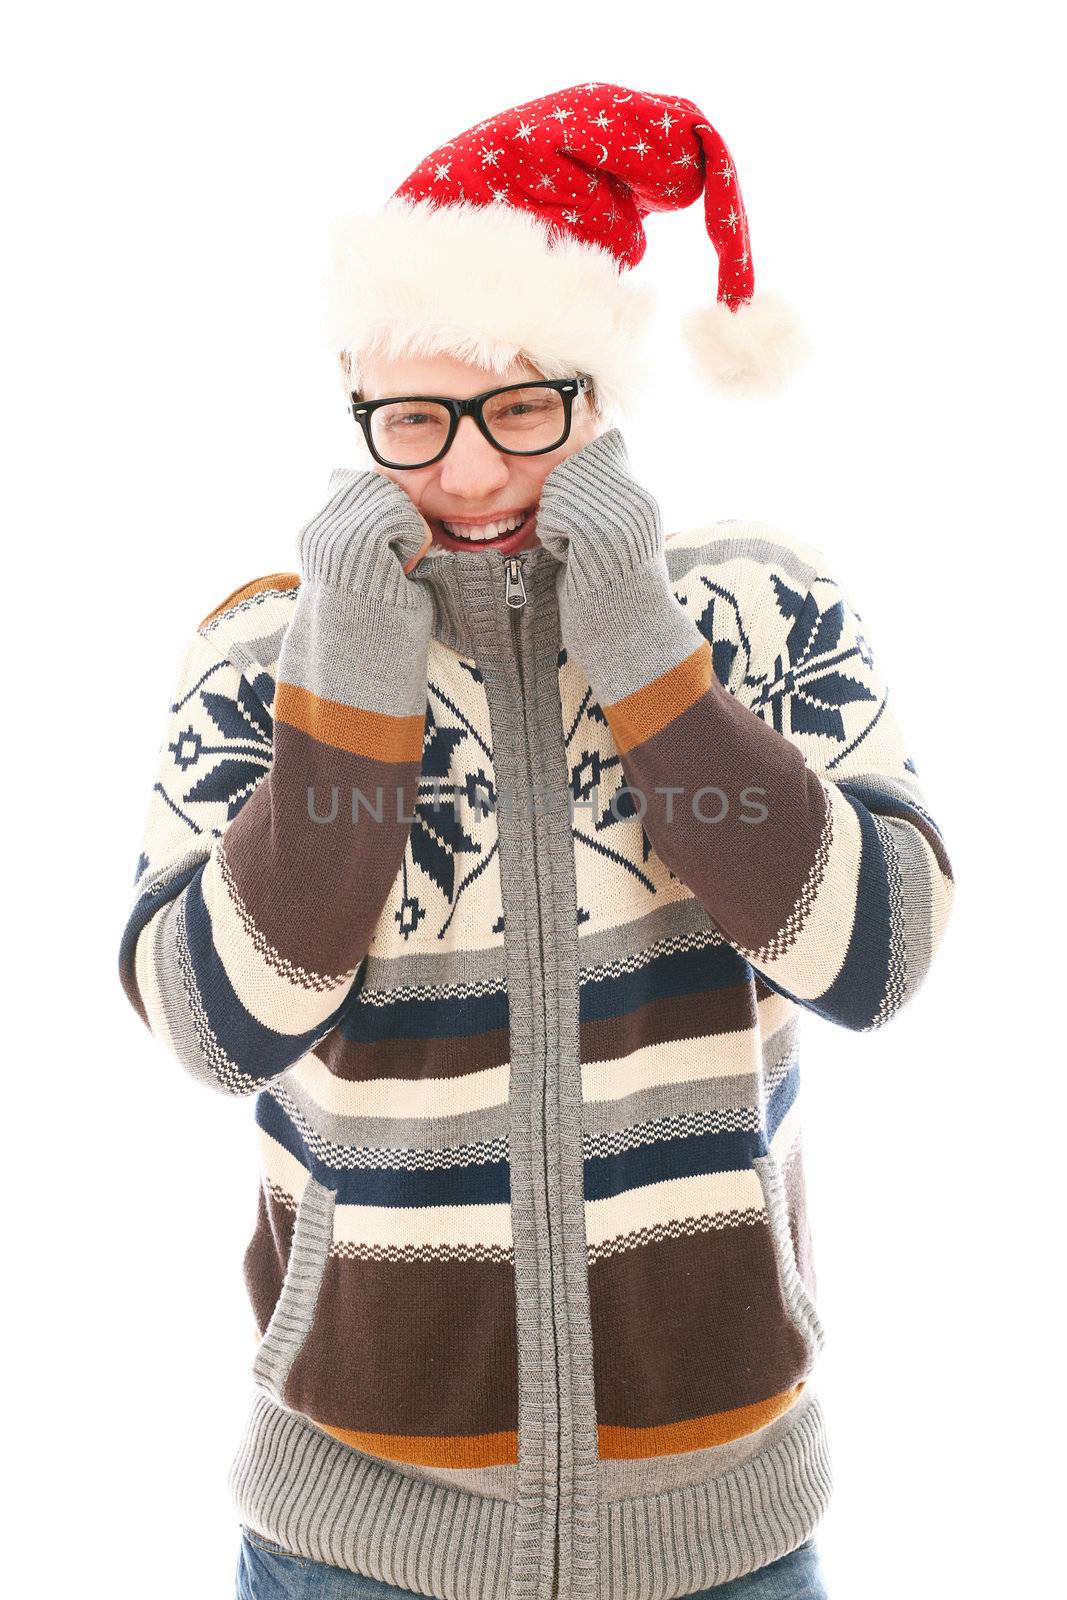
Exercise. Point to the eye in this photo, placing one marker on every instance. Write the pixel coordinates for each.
(522, 408)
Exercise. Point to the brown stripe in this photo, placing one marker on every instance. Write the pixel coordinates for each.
(314, 889)
(750, 875)
(692, 1326)
(391, 1351)
(433, 1450)
(695, 1433)
(372, 734)
(665, 1020)
(430, 1450)
(275, 580)
(636, 717)
(443, 1056)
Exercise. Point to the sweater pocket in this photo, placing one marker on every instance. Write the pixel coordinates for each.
(795, 1294)
(291, 1320)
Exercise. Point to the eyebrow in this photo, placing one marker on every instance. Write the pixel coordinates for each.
(427, 395)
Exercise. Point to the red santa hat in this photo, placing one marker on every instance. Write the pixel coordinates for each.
(513, 240)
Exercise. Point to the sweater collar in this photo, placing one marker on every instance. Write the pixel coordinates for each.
(457, 580)
(462, 580)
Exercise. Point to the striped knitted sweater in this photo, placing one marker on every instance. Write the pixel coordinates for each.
(504, 888)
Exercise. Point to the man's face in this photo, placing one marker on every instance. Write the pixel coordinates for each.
(473, 483)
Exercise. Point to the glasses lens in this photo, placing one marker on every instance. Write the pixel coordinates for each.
(408, 432)
(526, 419)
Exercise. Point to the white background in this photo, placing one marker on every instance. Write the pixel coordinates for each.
(171, 416)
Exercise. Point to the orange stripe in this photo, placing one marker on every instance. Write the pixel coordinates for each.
(695, 1433)
(433, 1450)
(638, 716)
(275, 580)
(373, 734)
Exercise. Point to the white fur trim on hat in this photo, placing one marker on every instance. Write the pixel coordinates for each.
(487, 284)
(749, 351)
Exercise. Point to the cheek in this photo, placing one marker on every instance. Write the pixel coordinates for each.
(536, 470)
(416, 484)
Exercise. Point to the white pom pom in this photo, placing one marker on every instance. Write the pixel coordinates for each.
(752, 350)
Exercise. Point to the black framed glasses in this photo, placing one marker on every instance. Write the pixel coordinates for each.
(521, 419)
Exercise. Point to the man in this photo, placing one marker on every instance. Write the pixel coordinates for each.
(499, 853)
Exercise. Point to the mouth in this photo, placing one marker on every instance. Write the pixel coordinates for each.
(505, 533)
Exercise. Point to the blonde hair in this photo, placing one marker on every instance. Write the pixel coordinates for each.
(351, 377)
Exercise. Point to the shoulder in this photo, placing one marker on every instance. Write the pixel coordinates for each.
(746, 548)
(248, 626)
(257, 592)
(747, 585)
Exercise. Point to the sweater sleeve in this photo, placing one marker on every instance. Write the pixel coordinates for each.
(279, 815)
(789, 806)
(792, 810)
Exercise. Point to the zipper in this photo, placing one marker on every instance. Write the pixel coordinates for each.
(515, 596)
(514, 588)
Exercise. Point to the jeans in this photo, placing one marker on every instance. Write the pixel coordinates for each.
(267, 1572)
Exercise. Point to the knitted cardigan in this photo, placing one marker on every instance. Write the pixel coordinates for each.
(503, 888)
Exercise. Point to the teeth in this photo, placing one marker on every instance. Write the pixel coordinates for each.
(479, 532)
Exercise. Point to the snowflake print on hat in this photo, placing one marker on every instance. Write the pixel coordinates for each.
(509, 235)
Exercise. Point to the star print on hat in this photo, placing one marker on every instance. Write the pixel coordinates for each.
(515, 238)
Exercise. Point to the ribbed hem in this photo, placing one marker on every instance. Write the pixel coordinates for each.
(308, 1492)
(596, 518)
(361, 538)
(318, 1498)
(666, 1545)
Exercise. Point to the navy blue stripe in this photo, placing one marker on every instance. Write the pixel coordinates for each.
(256, 1049)
(144, 910)
(782, 1099)
(424, 1019)
(853, 999)
(678, 972)
(482, 1183)
(685, 1157)
(856, 993)
(881, 800)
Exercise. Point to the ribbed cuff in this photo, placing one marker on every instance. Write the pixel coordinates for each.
(361, 538)
(358, 650)
(594, 516)
(629, 631)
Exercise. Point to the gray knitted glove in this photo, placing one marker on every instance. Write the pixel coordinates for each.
(362, 536)
(618, 615)
(594, 516)
(361, 626)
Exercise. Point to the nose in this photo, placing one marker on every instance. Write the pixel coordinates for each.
(472, 469)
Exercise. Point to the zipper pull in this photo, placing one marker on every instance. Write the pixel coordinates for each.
(514, 588)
